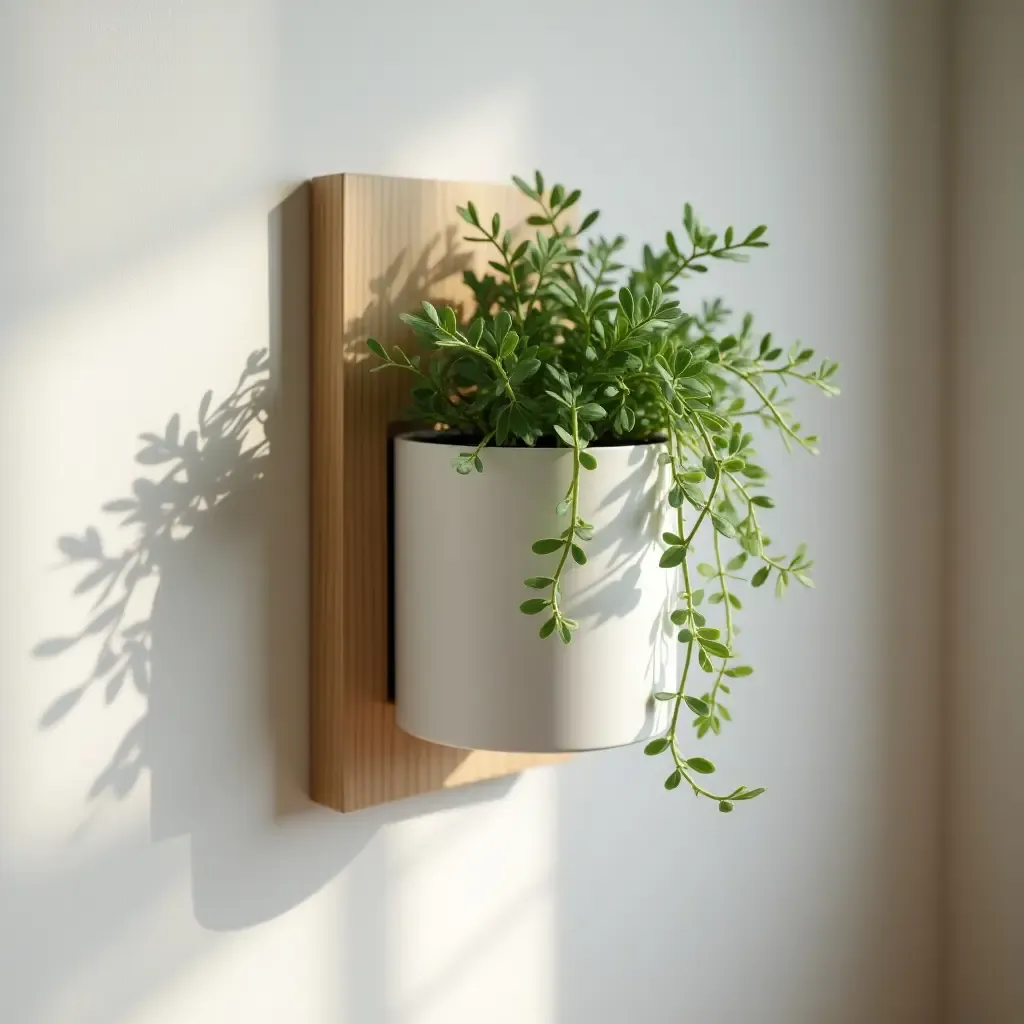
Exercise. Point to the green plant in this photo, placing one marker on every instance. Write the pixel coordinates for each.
(556, 350)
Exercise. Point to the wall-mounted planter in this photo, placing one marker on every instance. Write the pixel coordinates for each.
(470, 668)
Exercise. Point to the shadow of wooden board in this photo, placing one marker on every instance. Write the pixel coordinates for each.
(380, 246)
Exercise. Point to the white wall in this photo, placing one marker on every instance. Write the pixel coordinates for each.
(148, 870)
(986, 723)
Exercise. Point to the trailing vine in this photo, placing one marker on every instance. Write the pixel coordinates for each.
(567, 346)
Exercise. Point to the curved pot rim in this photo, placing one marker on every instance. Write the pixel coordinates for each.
(454, 440)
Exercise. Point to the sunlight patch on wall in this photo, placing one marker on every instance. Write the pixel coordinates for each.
(87, 83)
(484, 140)
(450, 941)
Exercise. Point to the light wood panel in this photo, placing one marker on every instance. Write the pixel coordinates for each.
(380, 246)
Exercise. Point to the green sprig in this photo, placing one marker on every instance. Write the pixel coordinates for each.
(565, 345)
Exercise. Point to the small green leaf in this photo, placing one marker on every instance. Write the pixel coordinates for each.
(678, 617)
(508, 345)
(564, 435)
(563, 507)
(377, 349)
(546, 546)
(737, 563)
(587, 461)
(684, 636)
(748, 794)
(759, 577)
(431, 313)
(656, 746)
(735, 601)
(719, 650)
(534, 605)
(672, 557)
(675, 496)
(671, 538)
(701, 765)
(738, 671)
(524, 369)
(710, 467)
(707, 571)
(672, 782)
(763, 501)
(592, 412)
(564, 633)
(547, 629)
(709, 633)
(579, 555)
(725, 806)
(665, 695)
(697, 706)
(525, 188)
(538, 582)
(723, 526)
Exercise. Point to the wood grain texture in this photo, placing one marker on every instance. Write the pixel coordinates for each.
(380, 246)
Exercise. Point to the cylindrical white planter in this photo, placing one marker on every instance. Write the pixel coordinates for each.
(470, 669)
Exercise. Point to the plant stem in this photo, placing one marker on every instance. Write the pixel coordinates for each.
(574, 498)
(748, 379)
(687, 589)
(510, 270)
(761, 553)
(687, 261)
(464, 342)
(728, 625)
(673, 728)
(714, 486)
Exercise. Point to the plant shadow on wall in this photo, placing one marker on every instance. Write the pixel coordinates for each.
(202, 613)
(203, 473)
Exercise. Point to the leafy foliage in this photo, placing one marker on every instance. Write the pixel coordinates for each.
(567, 345)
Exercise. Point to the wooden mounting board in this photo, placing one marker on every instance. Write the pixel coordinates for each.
(380, 246)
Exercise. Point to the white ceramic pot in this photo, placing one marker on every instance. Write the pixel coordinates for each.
(470, 669)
